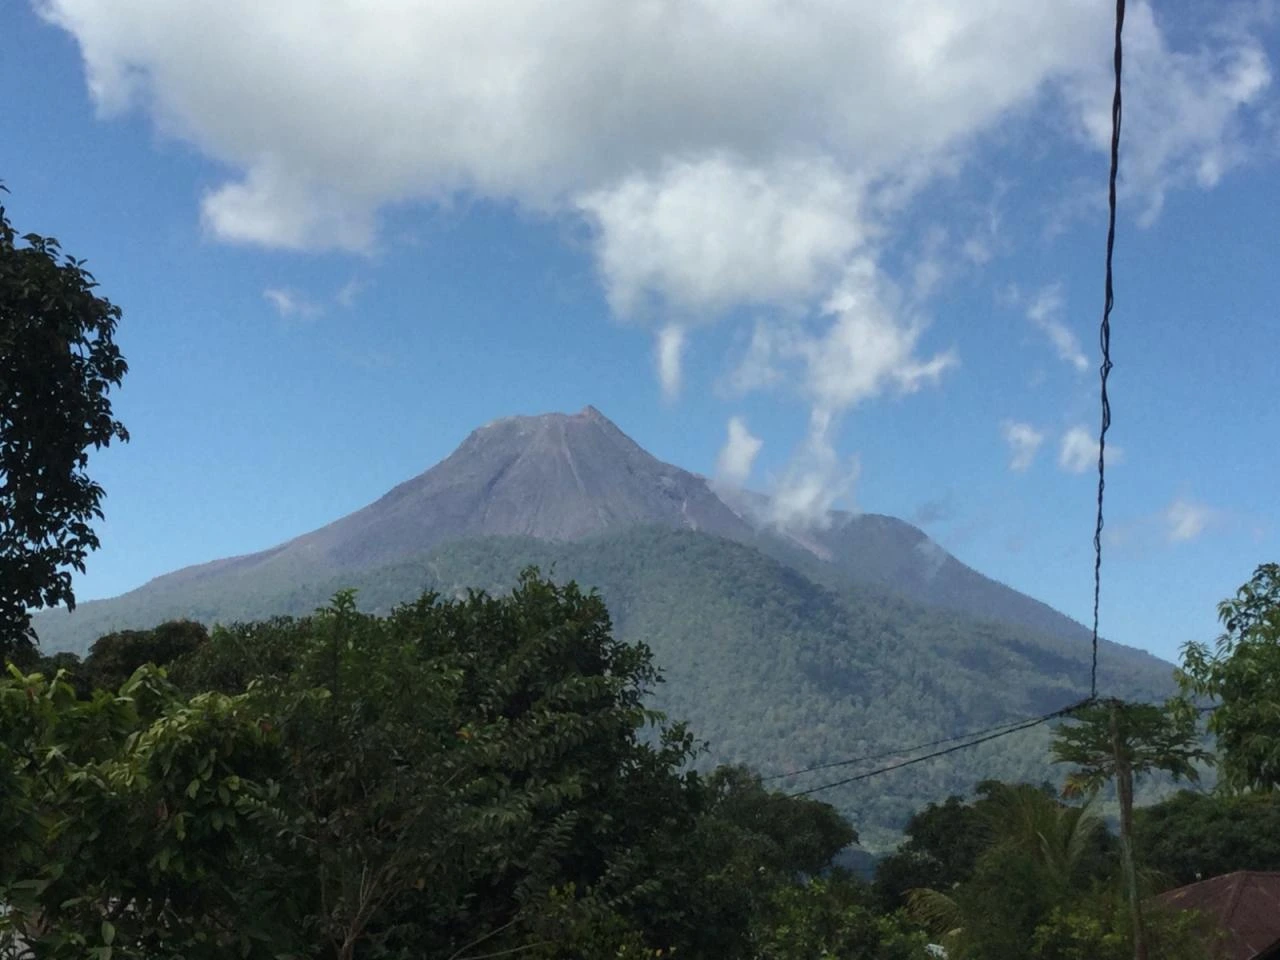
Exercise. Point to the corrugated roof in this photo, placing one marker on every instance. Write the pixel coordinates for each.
(1245, 905)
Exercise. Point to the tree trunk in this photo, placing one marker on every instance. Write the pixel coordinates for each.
(1124, 790)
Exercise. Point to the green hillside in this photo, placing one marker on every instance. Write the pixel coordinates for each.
(768, 667)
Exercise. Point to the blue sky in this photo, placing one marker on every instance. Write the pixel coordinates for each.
(869, 238)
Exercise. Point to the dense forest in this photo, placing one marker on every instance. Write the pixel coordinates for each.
(769, 666)
(481, 776)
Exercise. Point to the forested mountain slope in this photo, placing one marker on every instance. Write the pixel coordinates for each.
(767, 666)
(782, 648)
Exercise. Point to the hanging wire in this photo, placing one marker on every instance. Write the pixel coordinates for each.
(1004, 730)
(1026, 725)
(898, 751)
(1109, 302)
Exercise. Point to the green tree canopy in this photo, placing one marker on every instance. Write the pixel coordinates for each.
(58, 363)
(460, 779)
(1241, 672)
(1194, 836)
(1038, 855)
(114, 657)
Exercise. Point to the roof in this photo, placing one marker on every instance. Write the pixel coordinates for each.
(1244, 905)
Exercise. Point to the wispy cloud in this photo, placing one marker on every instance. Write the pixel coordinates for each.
(1079, 451)
(1024, 442)
(1182, 520)
(1186, 520)
(669, 355)
(1045, 311)
(290, 304)
(865, 344)
(738, 455)
(815, 481)
(1186, 111)
(347, 294)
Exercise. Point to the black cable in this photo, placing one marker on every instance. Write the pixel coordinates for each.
(893, 753)
(1109, 301)
(1026, 725)
(1005, 730)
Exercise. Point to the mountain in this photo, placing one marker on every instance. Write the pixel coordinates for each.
(872, 549)
(553, 477)
(782, 649)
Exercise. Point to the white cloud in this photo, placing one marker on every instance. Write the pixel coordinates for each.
(669, 354)
(290, 303)
(868, 347)
(1024, 443)
(272, 209)
(1045, 311)
(332, 110)
(814, 483)
(1185, 520)
(738, 455)
(705, 235)
(864, 344)
(1186, 112)
(1079, 451)
(726, 152)
(759, 367)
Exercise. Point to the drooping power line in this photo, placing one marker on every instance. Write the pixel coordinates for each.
(1025, 725)
(898, 751)
(1109, 302)
(1104, 375)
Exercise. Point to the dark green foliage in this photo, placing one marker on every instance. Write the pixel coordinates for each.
(58, 362)
(831, 918)
(1038, 856)
(941, 847)
(745, 844)
(456, 779)
(769, 667)
(1241, 673)
(1195, 836)
(790, 834)
(135, 821)
(1115, 738)
(1095, 929)
(478, 753)
(267, 650)
(113, 659)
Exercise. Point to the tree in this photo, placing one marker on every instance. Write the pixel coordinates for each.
(1194, 836)
(1038, 855)
(1242, 673)
(831, 918)
(1120, 742)
(135, 823)
(943, 842)
(458, 779)
(1096, 929)
(115, 656)
(58, 362)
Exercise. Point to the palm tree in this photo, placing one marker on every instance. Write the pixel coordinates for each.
(1038, 855)
(1122, 741)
